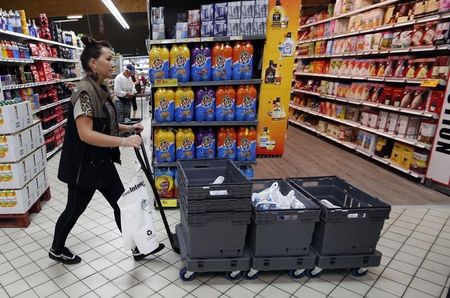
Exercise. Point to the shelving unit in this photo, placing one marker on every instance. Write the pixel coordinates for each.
(325, 50)
(204, 123)
(20, 36)
(46, 131)
(51, 105)
(206, 39)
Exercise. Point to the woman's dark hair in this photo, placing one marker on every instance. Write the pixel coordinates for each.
(92, 49)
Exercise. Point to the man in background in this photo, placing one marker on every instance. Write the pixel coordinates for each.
(124, 90)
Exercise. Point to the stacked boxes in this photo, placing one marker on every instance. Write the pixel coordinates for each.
(157, 21)
(234, 18)
(247, 15)
(207, 18)
(260, 20)
(220, 19)
(194, 23)
(214, 217)
(15, 116)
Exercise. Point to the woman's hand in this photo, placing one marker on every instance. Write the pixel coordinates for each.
(132, 141)
(137, 128)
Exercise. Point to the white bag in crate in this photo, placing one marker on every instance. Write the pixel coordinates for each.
(136, 206)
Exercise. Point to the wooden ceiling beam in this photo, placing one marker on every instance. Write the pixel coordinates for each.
(56, 8)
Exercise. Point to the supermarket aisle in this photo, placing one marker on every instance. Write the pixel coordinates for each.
(308, 155)
(415, 244)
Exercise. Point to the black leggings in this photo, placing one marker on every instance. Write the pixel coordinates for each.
(78, 199)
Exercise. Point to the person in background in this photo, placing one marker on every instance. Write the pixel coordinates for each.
(137, 87)
(91, 147)
(125, 92)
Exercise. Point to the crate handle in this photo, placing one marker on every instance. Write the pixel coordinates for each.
(356, 215)
(223, 192)
(287, 217)
(310, 183)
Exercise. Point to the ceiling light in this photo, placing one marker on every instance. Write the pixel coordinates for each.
(77, 16)
(115, 12)
(66, 21)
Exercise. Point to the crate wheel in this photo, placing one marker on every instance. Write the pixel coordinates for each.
(252, 274)
(311, 273)
(186, 275)
(359, 271)
(233, 275)
(296, 273)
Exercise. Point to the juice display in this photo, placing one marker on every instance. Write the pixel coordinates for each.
(226, 143)
(205, 104)
(246, 144)
(180, 64)
(246, 103)
(184, 104)
(158, 63)
(164, 105)
(185, 140)
(205, 142)
(164, 145)
(165, 182)
(222, 64)
(225, 103)
(242, 61)
(201, 63)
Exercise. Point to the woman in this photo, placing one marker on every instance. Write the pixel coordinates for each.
(91, 146)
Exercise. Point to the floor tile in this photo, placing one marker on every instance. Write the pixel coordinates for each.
(29, 269)
(407, 258)
(440, 250)
(320, 285)
(397, 276)
(156, 282)
(271, 291)
(238, 291)
(418, 252)
(125, 282)
(95, 281)
(395, 237)
(403, 267)
(27, 294)
(419, 243)
(305, 291)
(65, 280)
(83, 271)
(255, 286)
(288, 284)
(172, 291)
(438, 258)
(426, 286)
(423, 236)
(432, 276)
(108, 290)
(140, 290)
(390, 286)
(443, 269)
(354, 285)
(9, 277)
(141, 273)
(340, 292)
(206, 291)
(36, 279)
(17, 287)
(413, 293)
(46, 289)
(221, 284)
(377, 293)
(112, 272)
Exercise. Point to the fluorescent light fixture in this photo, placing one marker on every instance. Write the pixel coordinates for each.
(76, 16)
(115, 12)
(66, 21)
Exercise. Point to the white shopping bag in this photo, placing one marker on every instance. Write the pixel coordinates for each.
(136, 206)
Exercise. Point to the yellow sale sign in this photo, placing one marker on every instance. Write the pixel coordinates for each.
(278, 65)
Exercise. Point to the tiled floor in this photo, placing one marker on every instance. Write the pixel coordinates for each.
(415, 243)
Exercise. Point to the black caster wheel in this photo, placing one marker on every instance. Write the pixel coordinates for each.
(295, 274)
(233, 277)
(185, 276)
(248, 276)
(359, 271)
(311, 274)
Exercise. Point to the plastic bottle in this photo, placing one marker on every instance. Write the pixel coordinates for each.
(243, 61)
(226, 143)
(222, 67)
(159, 63)
(164, 181)
(277, 14)
(184, 104)
(201, 63)
(205, 104)
(246, 144)
(18, 22)
(10, 21)
(205, 142)
(246, 103)
(164, 105)
(23, 22)
(179, 58)
(225, 103)
(185, 140)
(164, 145)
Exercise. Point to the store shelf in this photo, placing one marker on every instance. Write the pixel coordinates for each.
(51, 105)
(16, 61)
(360, 126)
(433, 17)
(207, 39)
(52, 59)
(204, 123)
(31, 85)
(174, 164)
(357, 149)
(20, 36)
(46, 131)
(54, 151)
(370, 104)
(221, 83)
(365, 78)
(377, 52)
(351, 13)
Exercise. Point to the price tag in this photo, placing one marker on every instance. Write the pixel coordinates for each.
(166, 82)
(237, 37)
(430, 83)
(171, 203)
(207, 38)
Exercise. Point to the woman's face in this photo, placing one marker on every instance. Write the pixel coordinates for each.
(103, 65)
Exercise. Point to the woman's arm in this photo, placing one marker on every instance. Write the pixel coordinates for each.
(130, 128)
(90, 136)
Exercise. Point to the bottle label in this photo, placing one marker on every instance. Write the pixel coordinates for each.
(164, 110)
(186, 150)
(184, 112)
(227, 149)
(164, 151)
(207, 148)
(246, 150)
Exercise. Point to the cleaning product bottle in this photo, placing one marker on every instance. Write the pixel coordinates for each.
(287, 46)
(165, 182)
(277, 110)
(205, 104)
(277, 14)
(179, 58)
(205, 142)
(185, 140)
(222, 62)
(246, 103)
(184, 104)
(164, 105)
(226, 143)
(225, 103)
(242, 61)
(164, 145)
(23, 22)
(246, 144)
(159, 63)
(201, 63)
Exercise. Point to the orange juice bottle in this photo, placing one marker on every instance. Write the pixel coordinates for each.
(164, 145)
(180, 65)
(246, 144)
(164, 105)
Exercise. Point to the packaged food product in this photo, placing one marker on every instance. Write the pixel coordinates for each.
(391, 124)
(381, 67)
(351, 68)
(411, 69)
(397, 96)
(364, 68)
(415, 98)
(367, 42)
(420, 7)
(359, 43)
(413, 128)
(373, 18)
(404, 12)
(444, 4)
(376, 41)
(383, 147)
(376, 91)
(429, 34)
(419, 161)
(373, 67)
(386, 96)
(417, 35)
(352, 113)
(441, 67)
(373, 119)
(436, 101)
(382, 120)
(390, 67)
(442, 33)
(427, 130)
(389, 16)
(400, 67)
(386, 40)
(433, 5)
(401, 39)
(343, 68)
(424, 68)
(402, 125)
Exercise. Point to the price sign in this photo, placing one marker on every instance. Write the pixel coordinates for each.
(166, 82)
(430, 83)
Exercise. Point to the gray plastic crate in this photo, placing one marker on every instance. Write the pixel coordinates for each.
(216, 205)
(354, 227)
(211, 235)
(195, 178)
(285, 232)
